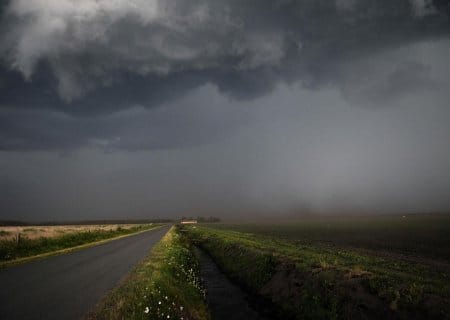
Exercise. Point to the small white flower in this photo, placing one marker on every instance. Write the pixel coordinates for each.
(168, 316)
(159, 302)
(181, 308)
(147, 310)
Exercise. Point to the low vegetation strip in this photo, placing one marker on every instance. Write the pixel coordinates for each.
(166, 285)
(315, 282)
(21, 247)
(51, 231)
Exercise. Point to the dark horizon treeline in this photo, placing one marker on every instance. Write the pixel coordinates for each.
(200, 219)
(83, 222)
(5, 223)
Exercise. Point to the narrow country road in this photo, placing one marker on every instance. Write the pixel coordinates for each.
(70, 285)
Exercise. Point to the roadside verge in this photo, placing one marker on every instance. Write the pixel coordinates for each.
(165, 285)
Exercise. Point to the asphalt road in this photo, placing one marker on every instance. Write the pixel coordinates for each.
(69, 286)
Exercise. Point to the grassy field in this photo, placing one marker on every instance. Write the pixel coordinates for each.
(34, 232)
(22, 245)
(166, 285)
(415, 235)
(339, 267)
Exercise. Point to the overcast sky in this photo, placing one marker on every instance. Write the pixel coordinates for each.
(159, 108)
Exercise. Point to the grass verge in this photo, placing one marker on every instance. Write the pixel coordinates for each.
(22, 249)
(165, 285)
(314, 282)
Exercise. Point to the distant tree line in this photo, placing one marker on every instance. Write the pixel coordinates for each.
(199, 219)
(83, 222)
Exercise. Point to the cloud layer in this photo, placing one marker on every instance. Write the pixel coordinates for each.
(64, 61)
(88, 48)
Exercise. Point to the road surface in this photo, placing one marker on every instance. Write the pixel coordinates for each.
(70, 285)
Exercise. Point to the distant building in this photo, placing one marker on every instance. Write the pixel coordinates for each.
(188, 221)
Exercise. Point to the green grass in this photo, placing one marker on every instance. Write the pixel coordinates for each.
(166, 285)
(307, 278)
(23, 247)
(416, 234)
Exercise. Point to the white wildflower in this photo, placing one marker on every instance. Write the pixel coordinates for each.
(147, 310)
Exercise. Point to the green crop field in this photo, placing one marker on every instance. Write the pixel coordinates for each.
(338, 267)
(415, 235)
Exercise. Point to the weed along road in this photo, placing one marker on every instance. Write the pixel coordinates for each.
(68, 286)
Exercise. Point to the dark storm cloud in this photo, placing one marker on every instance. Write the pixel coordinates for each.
(82, 46)
(68, 65)
(189, 123)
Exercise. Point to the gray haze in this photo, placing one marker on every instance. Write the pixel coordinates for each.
(141, 109)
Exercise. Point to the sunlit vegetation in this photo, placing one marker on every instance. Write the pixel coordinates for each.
(304, 275)
(51, 231)
(21, 245)
(165, 285)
